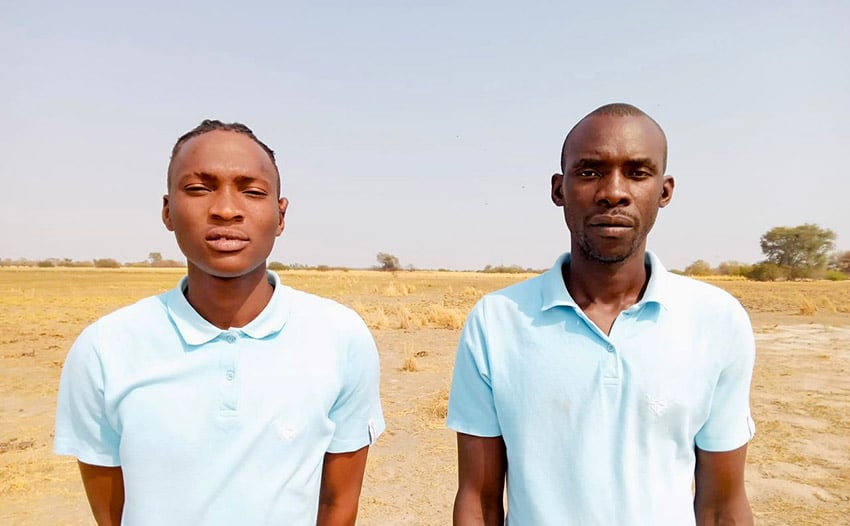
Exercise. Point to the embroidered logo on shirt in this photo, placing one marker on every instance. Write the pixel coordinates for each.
(656, 406)
(286, 432)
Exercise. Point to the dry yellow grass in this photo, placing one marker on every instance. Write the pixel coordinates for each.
(416, 317)
(807, 307)
(410, 364)
(784, 297)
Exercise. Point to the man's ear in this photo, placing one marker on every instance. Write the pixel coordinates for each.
(166, 214)
(557, 189)
(666, 191)
(282, 204)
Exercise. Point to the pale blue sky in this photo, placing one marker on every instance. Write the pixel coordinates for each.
(425, 129)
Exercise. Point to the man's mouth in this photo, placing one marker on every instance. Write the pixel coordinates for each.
(618, 221)
(226, 240)
(611, 226)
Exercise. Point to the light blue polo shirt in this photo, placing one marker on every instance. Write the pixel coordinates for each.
(600, 429)
(216, 426)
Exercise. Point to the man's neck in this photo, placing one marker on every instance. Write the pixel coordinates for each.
(228, 302)
(614, 286)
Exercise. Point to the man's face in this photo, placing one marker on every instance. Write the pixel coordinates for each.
(612, 186)
(222, 204)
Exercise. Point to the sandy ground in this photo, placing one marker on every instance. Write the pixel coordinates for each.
(798, 471)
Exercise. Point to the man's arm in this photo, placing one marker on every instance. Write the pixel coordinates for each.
(105, 491)
(342, 478)
(482, 465)
(721, 498)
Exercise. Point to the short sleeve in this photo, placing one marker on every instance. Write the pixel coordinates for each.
(730, 424)
(472, 408)
(82, 427)
(357, 410)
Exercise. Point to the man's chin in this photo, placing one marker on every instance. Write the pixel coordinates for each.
(606, 257)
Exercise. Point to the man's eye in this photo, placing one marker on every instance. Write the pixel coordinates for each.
(640, 174)
(256, 193)
(196, 189)
(588, 173)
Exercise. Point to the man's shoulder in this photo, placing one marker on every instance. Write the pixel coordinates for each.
(132, 324)
(151, 310)
(518, 296)
(692, 290)
(704, 301)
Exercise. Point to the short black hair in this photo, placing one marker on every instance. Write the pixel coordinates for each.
(616, 109)
(208, 125)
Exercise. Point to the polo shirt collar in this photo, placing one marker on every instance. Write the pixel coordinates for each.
(555, 292)
(658, 289)
(554, 289)
(195, 330)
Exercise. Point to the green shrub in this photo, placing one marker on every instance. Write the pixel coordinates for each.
(699, 267)
(106, 263)
(504, 269)
(277, 265)
(766, 271)
(835, 275)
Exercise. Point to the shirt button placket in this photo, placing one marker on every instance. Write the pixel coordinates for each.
(611, 372)
(229, 391)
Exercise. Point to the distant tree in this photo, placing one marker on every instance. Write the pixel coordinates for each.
(699, 267)
(388, 261)
(800, 250)
(46, 263)
(154, 257)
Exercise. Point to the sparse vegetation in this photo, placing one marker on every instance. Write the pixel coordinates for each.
(508, 269)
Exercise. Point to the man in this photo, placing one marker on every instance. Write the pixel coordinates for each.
(231, 399)
(606, 386)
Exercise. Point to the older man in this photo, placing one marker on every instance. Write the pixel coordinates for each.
(604, 388)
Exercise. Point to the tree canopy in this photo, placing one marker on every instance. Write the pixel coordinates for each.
(388, 261)
(800, 249)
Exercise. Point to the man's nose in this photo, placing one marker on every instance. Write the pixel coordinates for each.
(226, 205)
(613, 190)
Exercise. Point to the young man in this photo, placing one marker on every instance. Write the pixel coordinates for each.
(606, 386)
(231, 399)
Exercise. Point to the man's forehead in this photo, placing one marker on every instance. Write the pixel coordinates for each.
(600, 133)
(223, 148)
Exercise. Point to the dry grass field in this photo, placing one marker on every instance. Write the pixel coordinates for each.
(799, 467)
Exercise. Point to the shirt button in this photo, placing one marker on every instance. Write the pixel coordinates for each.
(611, 348)
(230, 375)
(229, 337)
